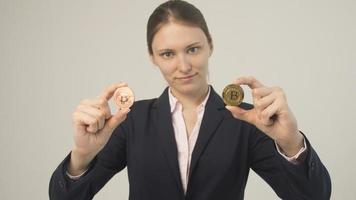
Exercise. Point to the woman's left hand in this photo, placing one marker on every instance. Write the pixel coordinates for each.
(271, 114)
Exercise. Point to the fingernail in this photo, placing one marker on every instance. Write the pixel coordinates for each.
(126, 110)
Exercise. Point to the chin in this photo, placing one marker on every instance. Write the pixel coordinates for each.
(189, 89)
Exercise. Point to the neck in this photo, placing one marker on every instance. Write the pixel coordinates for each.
(191, 100)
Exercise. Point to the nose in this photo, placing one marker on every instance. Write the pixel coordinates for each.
(183, 64)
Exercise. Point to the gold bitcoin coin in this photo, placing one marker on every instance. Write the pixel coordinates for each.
(233, 95)
(124, 97)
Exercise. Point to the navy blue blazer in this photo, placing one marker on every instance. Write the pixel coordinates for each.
(225, 151)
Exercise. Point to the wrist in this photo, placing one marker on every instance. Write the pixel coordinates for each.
(292, 145)
(79, 161)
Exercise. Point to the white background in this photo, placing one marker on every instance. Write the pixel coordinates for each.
(53, 54)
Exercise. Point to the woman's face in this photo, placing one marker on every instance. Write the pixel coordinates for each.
(182, 52)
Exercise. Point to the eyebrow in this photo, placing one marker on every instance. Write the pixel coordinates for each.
(190, 45)
(193, 44)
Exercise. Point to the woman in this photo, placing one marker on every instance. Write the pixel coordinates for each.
(187, 144)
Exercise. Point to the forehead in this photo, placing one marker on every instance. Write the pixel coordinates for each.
(177, 35)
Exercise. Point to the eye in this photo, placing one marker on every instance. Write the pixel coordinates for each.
(193, 50)
(167, 54)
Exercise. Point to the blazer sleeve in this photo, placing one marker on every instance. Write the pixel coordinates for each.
(109, 161)
(307, 180)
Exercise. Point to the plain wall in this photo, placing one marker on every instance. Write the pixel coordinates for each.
(53, 54)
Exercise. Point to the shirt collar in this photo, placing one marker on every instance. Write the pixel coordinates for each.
(173, 101)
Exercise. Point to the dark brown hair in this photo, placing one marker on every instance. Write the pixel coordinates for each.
(178, 11)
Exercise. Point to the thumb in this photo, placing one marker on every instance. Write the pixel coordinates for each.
(242, 114)
(116, 119)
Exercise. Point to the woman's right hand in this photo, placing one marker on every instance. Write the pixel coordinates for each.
(93, 126)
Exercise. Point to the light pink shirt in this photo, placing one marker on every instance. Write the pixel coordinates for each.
(186, 145)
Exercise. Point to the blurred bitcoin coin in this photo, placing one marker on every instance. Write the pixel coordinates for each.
(233, 95)
(124, 97)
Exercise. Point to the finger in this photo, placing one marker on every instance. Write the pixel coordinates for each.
(99, 103)
(109, 91)
(242, 114)
(268, 113)
(263, 97)
(116, 119)
(262, 91)
(94, 112)
(85, 119)
(251, 81)
(262, 103)
(259, 93)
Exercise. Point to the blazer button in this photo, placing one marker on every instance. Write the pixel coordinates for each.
(61, 184)
(313, 165)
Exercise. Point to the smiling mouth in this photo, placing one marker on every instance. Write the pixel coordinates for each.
(187, 77)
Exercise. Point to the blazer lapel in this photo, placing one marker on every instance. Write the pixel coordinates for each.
(211, 121)
(166, 137)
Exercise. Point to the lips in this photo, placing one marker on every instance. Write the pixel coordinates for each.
(187, 77)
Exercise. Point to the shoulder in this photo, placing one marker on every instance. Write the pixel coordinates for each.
(143, 104)
(142, 109)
